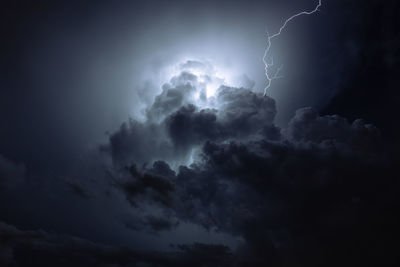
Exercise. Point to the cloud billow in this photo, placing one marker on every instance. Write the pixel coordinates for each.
(272, 187)
(179, 121)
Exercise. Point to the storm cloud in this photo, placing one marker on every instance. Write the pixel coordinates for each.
(251, 177)
(137, 134)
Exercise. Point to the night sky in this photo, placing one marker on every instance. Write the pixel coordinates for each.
(137, 133)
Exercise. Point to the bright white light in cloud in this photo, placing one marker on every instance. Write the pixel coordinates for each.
(208, 79)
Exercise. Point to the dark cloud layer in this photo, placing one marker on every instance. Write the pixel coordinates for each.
(39, 248)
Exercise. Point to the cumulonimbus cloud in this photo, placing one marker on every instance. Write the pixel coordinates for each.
(250, 176)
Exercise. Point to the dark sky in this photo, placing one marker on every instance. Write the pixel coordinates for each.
(136, 133)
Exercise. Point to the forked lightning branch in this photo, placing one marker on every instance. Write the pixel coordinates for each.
(268, 59)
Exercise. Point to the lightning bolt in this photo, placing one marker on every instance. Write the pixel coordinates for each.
(268, 65)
